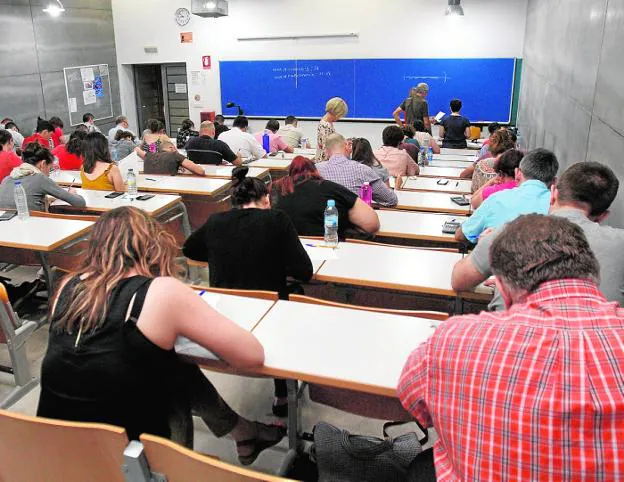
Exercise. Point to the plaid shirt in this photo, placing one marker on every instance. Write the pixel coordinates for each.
(533, 393)
(352, 174)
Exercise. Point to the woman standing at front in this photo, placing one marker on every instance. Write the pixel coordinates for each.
(335, 109)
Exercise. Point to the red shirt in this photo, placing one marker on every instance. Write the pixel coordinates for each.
(56, 137)
(67, 160)
(36, 137)
(8, 160)
(532, 393)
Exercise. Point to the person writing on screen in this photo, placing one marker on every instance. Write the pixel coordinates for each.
(415, 107)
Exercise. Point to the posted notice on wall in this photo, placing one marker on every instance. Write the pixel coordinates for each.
(180, 88)
(103, 69)
(73, 104)
(89, 97)
(87, 74)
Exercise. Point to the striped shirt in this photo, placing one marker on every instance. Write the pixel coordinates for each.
(532, 393)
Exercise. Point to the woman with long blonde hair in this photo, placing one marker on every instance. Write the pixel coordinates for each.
(113, 325)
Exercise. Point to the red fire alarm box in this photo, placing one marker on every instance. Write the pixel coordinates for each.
(207, 116)
(206, 62)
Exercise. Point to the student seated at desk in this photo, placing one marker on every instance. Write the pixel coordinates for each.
(167, 161)
(242, 142)
(33, 175)
(187, 130)
(265, 263)
(455, 128)
(303, 195)
(505, 167)
(220, 126)
(492, 128)
(483, 170)
(42, 135)
(70, 155)
(276, 143)
(398, 162)
(57, 133)
(111, 357)
(18, 138)
(424, 138)
(98, 171)
(205, 149)
(121, 124)
(153, 135)
(8, 158)
(123, 144)
(362, 152)
(352, 174)
(291, 134)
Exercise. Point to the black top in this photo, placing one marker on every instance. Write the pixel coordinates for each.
(183, 137)
(206, 150)
(306, 206)
(252, 249)
(162, 163)
(454, 131)
(112, 375)
(219, 129)
(416, 108)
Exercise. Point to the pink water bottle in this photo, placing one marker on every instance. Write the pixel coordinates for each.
(366, 193)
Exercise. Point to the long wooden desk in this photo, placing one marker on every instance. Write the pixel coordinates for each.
(461, 152)
(452, 157)
(445, 172)
(429, 202)
(225, 172)
(451, 164)
(277, 165)
(426, 227)
(430, 184)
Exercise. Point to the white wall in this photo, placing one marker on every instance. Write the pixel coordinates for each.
(386, 28)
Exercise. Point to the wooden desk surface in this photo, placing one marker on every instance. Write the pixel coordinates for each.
(446, 172)
(273, 163)
(305, 152)
(339, 347)
(461, 152)
(225, 172)
(454, 186)
(451, 164)
(414, 225)
(41, 233)
(429, 202)
(97, 201)
(452, 157)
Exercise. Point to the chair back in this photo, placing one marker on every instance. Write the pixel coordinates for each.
(33, 448)
(204, 156)
(179, 464)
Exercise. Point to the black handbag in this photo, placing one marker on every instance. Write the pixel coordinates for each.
(343, 457)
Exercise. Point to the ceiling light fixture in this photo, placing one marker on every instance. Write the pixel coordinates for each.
(54, 9)
(454, 9)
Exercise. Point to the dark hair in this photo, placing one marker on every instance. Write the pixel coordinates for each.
(291, 119)
(456, 105)
(121, 134)
(501, 141)
(392, 136)
(5, 137)
(241, 122)
(419, 126)
(508, 162)
(590, 184)
(35, 152)
(5, 120)
(409, 131)
(74, 146)
(541, 165)
(94, 149)
(10, 125)
(363, 152)
(187, 124)
(219, 118)
(154, 125)
(273, 125)
(120, 119)
(44, 125)
(493, 127)
(301, 168)
(87, 117)
(246, 189)
(56, 122)
(535, 249)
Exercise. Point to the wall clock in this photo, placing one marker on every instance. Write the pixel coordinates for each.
(182, 16)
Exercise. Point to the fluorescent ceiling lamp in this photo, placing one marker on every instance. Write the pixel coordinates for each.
(454, 9)
(55, 9)
(210, 5)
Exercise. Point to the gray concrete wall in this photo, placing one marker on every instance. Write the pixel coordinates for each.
(35, 48)
(572, 94)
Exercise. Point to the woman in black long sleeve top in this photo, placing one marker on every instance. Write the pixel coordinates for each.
(251, 247)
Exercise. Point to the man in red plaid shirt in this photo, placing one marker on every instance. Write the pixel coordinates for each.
(535, 392)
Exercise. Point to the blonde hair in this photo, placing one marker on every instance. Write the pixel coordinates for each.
(123, 239)
(337, 107)
(206, 125)
(334, 140)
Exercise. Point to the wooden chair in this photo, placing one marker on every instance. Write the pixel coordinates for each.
(14, 334)
(33, 448)
(179, 464)
(362, 404)
(262, 295)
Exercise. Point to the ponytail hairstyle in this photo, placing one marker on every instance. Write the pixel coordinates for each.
(34, 153)
(154, 125)
(74, 146)
(245, 189)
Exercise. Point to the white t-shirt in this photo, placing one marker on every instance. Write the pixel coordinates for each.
(291, 135)
(242, 142)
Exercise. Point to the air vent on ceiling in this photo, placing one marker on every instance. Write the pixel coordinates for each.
(209, 8)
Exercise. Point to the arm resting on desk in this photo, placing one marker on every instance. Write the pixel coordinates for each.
(364, 217)
(53, 189)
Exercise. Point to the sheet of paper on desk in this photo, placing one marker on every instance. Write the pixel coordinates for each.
(317, 252)
(211, 298)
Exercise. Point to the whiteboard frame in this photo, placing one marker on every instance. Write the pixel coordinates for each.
(67, 92)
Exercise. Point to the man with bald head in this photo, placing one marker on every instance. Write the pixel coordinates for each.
(415, 107)
(205, 149)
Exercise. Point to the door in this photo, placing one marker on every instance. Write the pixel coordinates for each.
(148, 86)
(176, 96)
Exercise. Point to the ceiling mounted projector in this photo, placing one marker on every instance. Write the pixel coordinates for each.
(454, 9)
(209, 8)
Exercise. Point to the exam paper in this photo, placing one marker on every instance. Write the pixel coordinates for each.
(317, 252)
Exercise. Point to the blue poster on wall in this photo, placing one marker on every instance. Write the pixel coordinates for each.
(97, 86)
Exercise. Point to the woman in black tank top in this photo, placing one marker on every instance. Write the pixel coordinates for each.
(110, 356)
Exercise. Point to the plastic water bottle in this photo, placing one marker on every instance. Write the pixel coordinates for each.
(366, 193)
(56, 167)
(429, 154)
(21, 202)
(331, 224)
(132, 183)
(304, 142)
(266, 142)
(421, 157)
